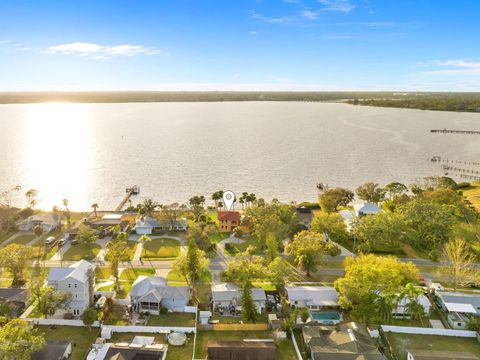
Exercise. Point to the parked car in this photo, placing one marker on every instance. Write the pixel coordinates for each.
(50, 240)
(100, 302)
(74, 241)
(62, 242)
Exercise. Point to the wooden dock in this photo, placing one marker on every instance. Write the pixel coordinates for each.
(133, 190)
(449, 131)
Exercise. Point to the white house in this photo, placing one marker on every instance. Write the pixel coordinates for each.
(147, 225)
(366, 209)
(401, 310)
(312, 297)
(226, 296)
(348, 218)
(49, 222)
(77, 279)
(151, 293)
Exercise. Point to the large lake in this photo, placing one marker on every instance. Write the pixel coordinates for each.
(92, 152)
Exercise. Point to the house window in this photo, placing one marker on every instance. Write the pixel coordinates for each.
(459, 324)
(75, 286)
(69, 286)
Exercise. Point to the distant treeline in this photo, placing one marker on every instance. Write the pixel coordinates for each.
(425, 101)
(468, 102)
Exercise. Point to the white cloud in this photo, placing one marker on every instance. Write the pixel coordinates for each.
(253, 33)
(308, 14)
(337, 5)
(454, 67)
(280, 79)
(272, 20)
(101, 52)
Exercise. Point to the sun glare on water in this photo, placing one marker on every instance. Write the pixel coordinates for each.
(57, 152)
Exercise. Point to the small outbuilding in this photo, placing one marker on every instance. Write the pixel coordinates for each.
(55, 350)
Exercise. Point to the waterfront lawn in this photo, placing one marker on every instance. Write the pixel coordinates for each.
(5, 235)
(23, 239)
(204, 336)
(161, 249)
(401, 342)
(172, 319)
(173, 352)
(86, 251)
(82, 337)
(472, 193)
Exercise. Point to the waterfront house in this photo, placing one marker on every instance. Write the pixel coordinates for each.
(79, 280)
(348, 218)
(151, 293)
(140, 348)
(228, 220)
(47, 221)
(108, 221)
(238, 349)
(458, 306)
(15, 298)
(54, 350)
(366, 209)
(304, 216)
(348, 341)
(226, 298)
(148, 225)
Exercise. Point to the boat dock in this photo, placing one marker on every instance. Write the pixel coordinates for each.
(449, 131)
(133, 190)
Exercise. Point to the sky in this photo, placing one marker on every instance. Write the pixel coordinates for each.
(409, 45)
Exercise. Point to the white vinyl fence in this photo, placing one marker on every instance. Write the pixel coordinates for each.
(60, 322)
(151, 329)
(428, 331)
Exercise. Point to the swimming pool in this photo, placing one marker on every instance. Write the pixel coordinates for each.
(326, 317)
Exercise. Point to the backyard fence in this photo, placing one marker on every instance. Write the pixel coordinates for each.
(151, 329)
(428, 331)
(239, 327)
(60, 322)
(297, 350)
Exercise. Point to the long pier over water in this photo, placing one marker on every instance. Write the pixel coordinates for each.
(449, 131)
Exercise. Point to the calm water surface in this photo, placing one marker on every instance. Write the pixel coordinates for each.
(91, 152)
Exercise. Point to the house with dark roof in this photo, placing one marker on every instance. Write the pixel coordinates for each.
(79, 280)
(141, 348)
(54, 350)
(347, 341)
(228, 220)
(15, 298)
(304, 216)
(148, 225)
(151, 293)
(246, 350)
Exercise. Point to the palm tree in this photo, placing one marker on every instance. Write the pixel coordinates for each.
(31, 196)
(144, 238)
(95, 207)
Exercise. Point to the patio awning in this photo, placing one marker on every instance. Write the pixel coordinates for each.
(460, 308)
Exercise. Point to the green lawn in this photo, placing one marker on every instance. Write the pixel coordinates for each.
(81, 337)
(261, 319)
(301, 346)
(5, 235)
(472, 193)
(133, 274)
(172, 319)
(103, 273)
(82, 251)
(234, 249)
(215, 239)
(132, 246)
(401, 342)
(23, 239)
(173, 352)
(204, 336)
(161, 249)
(174, 277)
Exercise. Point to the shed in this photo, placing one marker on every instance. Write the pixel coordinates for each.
(205, 316)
